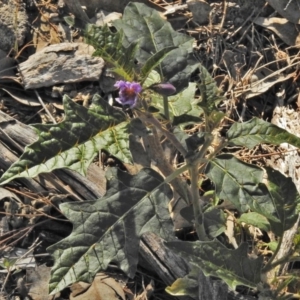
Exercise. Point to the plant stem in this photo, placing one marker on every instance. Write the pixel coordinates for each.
(280, 261)
(269, 264)
(158, 156)
(166, 107)
(148, 117)
(197, 207)
(199, 156)
(193, 163)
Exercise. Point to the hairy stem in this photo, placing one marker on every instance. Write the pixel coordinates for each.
(158, 156)
(148, 118)
(197, 206)
(280, 261)
(269, 264)
(193, 163)
(166, 107)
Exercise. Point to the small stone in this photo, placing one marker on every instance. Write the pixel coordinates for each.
(8, 33)
(200, 10)
(61, 64)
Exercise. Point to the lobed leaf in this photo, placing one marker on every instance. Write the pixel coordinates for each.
(110, 47)
(255, 219)
(286, 199)
(186, 286)
(214, 222)
(241, 184)
(213, 258)
(109, 229)
(154, 61)
(210, 94)
(74, 142)
(256, 131)
(144, 24)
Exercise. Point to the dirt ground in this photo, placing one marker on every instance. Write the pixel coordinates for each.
(251, 49)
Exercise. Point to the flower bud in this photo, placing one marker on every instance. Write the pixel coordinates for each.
(164, 89)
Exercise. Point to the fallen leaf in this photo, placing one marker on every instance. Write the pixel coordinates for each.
(286, 30)
(287, 9)
(102, 288)
(37, 280)
(261, 81)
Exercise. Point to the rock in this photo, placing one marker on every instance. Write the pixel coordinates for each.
(93, 6)
(60, 64)
(200, 10)
(13, 24)
(104, 17)
(6, 65)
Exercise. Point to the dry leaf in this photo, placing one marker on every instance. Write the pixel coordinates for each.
(289, 9)
(286, 30)
(230, 231)
(146, 294)
(261, 81)
(37, 279)
(102, 288)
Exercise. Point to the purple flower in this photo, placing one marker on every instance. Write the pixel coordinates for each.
(164, 89)
(128, 92)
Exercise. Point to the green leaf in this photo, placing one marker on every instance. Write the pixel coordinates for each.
(142, 23)
(213, 258)
(110, 47)
(70, 20)
(190, 143)
(186, 286)
(74, 142)
(109, 229)
(214, 120)
(256, 131)
(214, 222)
(241, 184)
(210, 94)
(9, 262)
(272, 246)
(255, 219)
(153, 61)
(181, 104)
(285, 195)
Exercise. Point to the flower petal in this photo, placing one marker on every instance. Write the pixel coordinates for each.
(128, 92)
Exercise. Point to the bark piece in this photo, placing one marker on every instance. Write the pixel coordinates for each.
(211, 289)
(170, 266)
(60, 64)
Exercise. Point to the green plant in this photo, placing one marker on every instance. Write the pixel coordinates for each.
(109, 228)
